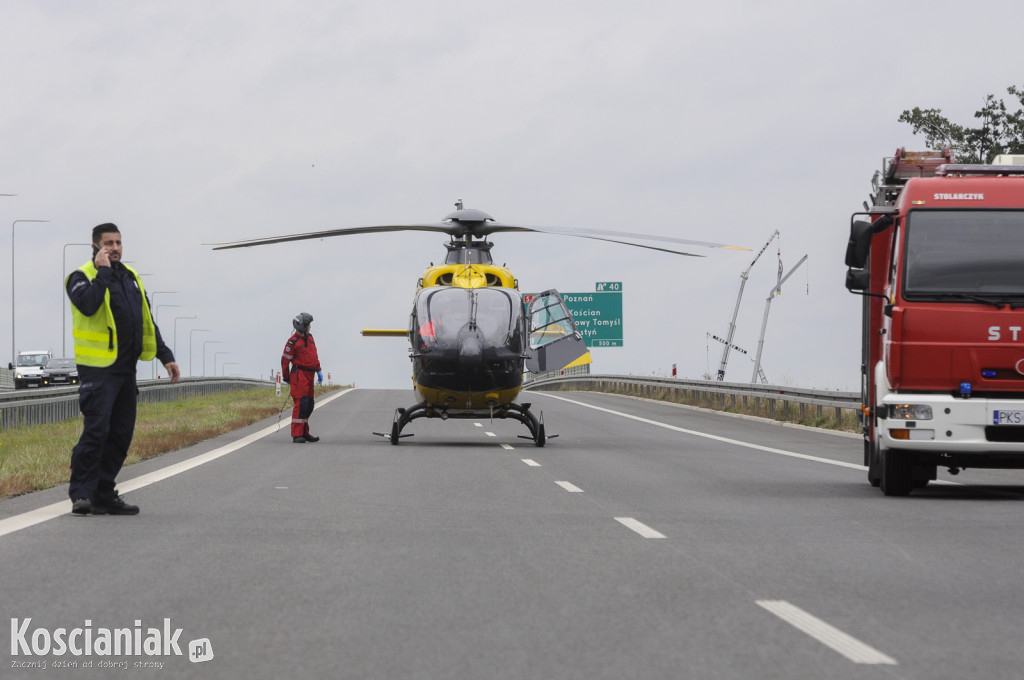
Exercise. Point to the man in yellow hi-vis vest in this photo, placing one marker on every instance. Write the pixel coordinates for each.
(113, 330)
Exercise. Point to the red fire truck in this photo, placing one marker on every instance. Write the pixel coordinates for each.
(938, 257)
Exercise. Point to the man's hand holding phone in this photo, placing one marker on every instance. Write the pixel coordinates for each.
(101, 256)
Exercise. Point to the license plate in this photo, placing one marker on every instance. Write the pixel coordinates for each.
(1008, 417)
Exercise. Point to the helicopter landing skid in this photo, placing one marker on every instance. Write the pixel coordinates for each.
(520, 412)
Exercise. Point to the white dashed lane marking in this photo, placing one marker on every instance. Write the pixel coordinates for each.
(828, 635)
(639, 527)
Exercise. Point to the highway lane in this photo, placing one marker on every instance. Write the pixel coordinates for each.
(466, 552)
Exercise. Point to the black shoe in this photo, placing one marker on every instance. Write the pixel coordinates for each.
(84, 506)
(298, 440)
(310, 438)
(116, 506)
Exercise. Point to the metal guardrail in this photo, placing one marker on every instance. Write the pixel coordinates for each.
(40, 406)
(50, 405)
(712, 393)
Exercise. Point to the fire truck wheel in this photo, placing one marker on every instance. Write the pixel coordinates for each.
(897, 472)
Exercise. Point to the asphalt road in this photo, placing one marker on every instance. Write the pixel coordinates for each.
(646, 541)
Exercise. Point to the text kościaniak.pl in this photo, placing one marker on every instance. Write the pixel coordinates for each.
(86, 640)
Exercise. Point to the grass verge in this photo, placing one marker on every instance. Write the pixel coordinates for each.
(37, 457)
(844, 420)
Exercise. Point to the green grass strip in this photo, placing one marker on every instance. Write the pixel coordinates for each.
(38, 457)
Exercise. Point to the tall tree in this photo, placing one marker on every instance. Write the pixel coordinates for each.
(1001, 130)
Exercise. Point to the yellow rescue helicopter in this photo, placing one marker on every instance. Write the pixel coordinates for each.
(471, 331)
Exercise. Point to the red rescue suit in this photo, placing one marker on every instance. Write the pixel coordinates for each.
(300, 352)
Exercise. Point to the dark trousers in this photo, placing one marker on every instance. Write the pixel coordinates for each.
(108, 402)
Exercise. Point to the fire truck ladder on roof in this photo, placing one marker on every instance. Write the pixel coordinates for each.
(887, 184)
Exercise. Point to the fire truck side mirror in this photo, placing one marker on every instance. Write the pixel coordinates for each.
(859, 245)
(857, 279)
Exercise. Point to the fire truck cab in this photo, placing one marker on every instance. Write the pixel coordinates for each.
(938, 257)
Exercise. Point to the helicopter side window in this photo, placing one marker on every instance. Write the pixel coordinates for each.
(548, 321)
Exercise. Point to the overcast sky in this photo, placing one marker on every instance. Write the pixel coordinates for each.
(190, 122)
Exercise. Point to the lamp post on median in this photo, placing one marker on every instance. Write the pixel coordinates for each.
(64, 298)
(205, 343)
(174, 340)
(14, 351)
(152, 300)
(156, 311)
(201, 330)
(215, 355)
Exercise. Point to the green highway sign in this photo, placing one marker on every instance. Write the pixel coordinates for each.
(598, 315)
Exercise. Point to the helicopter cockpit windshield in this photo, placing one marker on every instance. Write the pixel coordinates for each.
(444, 315)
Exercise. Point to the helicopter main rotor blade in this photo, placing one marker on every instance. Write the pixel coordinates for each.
(440, 227)
(627, 243)
(603, 235)
(478, 224)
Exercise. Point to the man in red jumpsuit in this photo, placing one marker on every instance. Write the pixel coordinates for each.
(300, 352)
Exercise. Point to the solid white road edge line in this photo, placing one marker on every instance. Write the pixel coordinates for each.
(769, 449)
(47, 512)
(830, 636)
(639, 527)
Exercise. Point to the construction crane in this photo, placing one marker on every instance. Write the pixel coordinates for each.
(732, 324)
(764, 322)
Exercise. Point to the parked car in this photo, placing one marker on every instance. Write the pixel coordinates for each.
(60, 371)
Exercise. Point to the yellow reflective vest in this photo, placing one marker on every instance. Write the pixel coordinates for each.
(96, 335)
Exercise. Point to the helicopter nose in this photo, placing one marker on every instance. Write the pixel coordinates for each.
(470, 348)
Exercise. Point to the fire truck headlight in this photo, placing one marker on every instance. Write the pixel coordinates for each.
(910, 411)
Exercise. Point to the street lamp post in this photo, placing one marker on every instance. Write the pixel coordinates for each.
(14, 351)
(174, 340)
(152, 296)
(201, 330)
(215, 355)
(64, 299)
(156, 311)
(205, 343)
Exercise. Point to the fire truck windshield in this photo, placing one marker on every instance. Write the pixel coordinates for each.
(963, 253)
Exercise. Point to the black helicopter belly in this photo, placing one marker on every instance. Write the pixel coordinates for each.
(449, 374)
